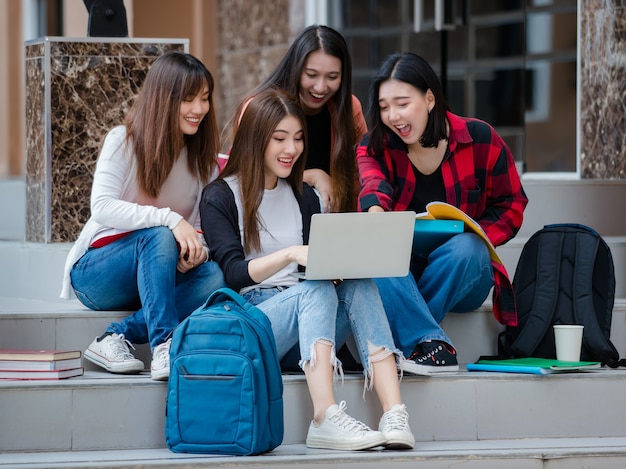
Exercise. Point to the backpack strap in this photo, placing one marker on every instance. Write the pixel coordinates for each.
(226, 294)
(587, 246)
(223, 294)
(548, 261)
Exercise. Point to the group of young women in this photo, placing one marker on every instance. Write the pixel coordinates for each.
(167, 228)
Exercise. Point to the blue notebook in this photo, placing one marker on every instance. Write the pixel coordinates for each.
(531, 365)
(430, 234)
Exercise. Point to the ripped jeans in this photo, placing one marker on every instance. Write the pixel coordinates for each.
(316, 310)
(458, 278)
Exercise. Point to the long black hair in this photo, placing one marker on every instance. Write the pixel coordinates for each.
(286, 76)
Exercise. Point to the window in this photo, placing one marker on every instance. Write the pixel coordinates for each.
(510, 63)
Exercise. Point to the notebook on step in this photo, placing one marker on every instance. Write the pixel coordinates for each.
(359, 245)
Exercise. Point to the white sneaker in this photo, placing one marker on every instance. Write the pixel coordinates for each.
(394, 424)
(113, 354)
(340, 431)
(160, 366)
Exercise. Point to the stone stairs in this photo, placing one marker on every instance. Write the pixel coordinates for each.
(478, 420)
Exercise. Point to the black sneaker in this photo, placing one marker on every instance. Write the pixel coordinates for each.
(430, 358)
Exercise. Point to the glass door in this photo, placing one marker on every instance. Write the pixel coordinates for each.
(511, 63)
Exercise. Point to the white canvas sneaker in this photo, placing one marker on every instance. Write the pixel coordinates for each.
(160, 366)
(340, 431)
(112, 353)
(394, 424)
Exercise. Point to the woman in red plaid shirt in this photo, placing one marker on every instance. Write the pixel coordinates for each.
(417, 152)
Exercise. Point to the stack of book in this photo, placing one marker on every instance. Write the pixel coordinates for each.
(39, 364)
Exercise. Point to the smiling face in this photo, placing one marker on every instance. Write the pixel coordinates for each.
(319, 81)
(404, 109)
(192, 111)
(283, 150)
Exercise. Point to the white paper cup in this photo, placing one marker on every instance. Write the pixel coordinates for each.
(568, 340)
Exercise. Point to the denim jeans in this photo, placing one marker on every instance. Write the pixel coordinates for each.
(138, 272)
(458, 277)
(316, 310)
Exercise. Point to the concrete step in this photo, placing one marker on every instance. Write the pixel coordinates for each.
(32, 270)
(13, 209)
(586, 201)
(589, 202)
(61, 324)
(101, 412)
(56, 324)
(481, 420)
(546, 453)
(510, 253)
(35, 270)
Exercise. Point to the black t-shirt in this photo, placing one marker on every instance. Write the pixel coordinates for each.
(318, 142)
(428, 188)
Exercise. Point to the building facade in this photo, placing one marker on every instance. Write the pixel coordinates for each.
(549, 74)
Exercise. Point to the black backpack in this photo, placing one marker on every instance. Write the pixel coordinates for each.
(565, 275)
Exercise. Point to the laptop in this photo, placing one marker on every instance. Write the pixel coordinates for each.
(359, 245)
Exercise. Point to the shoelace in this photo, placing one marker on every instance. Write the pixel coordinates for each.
(431, 353)
(161, 355)
(345, 422)
(396, 419)
(119, 347)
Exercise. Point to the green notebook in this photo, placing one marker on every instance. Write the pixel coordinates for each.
(538, 366)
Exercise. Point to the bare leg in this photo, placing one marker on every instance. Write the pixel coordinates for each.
(385, 381)
(332, 427)
(319, 379)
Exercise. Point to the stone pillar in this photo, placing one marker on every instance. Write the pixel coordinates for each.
(252, 38)
(76, 90)
(602, 89)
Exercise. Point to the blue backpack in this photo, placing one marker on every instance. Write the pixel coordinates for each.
(225, 390)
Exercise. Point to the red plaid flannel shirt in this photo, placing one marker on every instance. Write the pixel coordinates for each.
(480, 178)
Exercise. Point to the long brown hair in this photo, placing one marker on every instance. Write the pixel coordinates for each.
(286, 76)
(153, 122)
(247, 157)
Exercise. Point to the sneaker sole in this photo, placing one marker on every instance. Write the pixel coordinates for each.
(161, 375)
(399, 445)
(399, 440)
(423, 370)
(128, 368)
(332, 443)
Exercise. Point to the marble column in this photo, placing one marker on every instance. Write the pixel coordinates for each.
(76, 90)
(602, 88)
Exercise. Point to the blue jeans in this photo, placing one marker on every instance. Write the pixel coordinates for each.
(138, 272)
(316, 310)
(458, 277)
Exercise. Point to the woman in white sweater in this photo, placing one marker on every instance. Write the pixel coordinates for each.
(142, 249)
